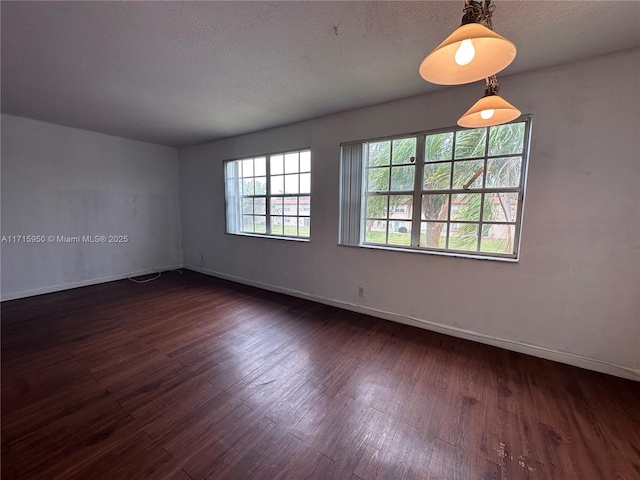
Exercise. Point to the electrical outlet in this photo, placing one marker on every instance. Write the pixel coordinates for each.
(361, 291)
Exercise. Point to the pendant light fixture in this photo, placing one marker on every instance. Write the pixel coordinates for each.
(490, 110)
(472, 52)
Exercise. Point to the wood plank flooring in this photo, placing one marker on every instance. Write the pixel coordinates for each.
(190, 377)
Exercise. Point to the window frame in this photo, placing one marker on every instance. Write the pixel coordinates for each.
(419, 191)
(234, 200)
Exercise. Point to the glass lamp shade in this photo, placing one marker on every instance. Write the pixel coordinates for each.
(493, 53)
(488, 111)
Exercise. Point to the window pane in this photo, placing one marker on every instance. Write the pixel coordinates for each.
(399, 233)
(260, 206)
(247, 186)
(303, 226)
(247, 205)
(291, 163)
(291, 183)
(466, 206)
(504, 172)
(463, 236)
(304, 206)
(500, 207)
(305, 183)
(276, 226)
(261, 185)
(498, 238)
(378, 180)
(403, 150)
(247, 168)
(260, 166)
(277, 184)
(402, 178)
(437, 176)
(435, 207)
(377, 206)
(400, 206)
(294, 205)
(291, 226)
(438, 147)
(276, 206)
(379, 153)
(247, 223)
(290, 206)
(305, 161)
(470, 143)
(260, 223)
(433, 234)
(506, 139)
(276, 165)
(376, 231)
(468, 174)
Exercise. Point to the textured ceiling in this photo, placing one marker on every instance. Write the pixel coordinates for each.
(180, 73)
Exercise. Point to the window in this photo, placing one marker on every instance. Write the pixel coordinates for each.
(456, 190)
(270, 195)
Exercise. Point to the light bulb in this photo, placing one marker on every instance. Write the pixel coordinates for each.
(487, 114)
(465, 53)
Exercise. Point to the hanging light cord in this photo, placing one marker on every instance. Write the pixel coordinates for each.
(478, 12)
(493, 87)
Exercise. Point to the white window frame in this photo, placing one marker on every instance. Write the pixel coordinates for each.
(353, 193)
(234, 197)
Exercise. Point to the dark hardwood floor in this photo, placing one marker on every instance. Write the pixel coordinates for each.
(191, 377)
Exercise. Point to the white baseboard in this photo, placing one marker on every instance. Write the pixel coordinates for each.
(516, 346)
(84, 283)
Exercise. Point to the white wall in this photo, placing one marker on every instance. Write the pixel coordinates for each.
(574, 295)
(64, 181)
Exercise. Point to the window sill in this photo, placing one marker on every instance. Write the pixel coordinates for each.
(276, 237)
(460, 254)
